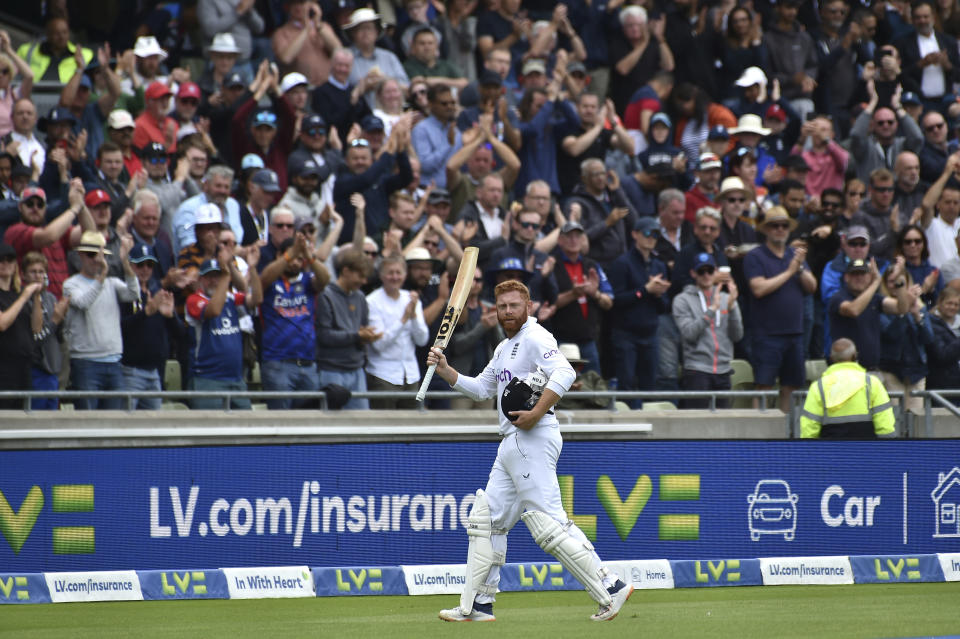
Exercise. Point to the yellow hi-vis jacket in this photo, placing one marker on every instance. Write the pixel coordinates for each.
(846, 402)
(38, 61)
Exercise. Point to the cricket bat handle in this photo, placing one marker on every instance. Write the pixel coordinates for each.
(422, 393)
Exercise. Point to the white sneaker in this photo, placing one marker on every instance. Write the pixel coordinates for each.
(620, 596)
(455, 614)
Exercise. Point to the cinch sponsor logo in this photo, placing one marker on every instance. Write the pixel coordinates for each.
(372, 578)
(504, 375)
(182, 584)
(624, 513)
(536, 574)
(16, 526)
(890, 570)
(721, 571)
(14, 587)
(550, 353)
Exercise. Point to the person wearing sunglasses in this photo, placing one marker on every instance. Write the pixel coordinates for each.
(268, 132)
(710, 323)
(778, 277)
(54, 238)
(936, 147)
(880, 133)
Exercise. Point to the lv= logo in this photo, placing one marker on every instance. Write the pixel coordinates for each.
(17, 525)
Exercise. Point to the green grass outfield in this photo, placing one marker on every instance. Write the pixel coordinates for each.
(862, 611)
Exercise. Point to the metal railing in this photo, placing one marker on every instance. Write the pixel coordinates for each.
(931, 398)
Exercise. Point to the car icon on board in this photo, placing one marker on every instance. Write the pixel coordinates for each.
(773, 510)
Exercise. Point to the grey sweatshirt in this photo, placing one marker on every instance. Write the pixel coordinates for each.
(339, 317)
(93, 321)
(707, 341)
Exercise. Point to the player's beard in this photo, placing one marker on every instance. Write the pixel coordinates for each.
(511, 325)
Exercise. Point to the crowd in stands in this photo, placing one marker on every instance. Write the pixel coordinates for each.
(288, 185)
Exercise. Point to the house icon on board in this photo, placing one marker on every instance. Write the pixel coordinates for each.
(946, 501)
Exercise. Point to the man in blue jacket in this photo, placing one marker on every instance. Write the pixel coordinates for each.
(640, 284)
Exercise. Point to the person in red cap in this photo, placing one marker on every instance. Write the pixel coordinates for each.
(154, 125)
(98, 203)
(53, 239)
(186, 104)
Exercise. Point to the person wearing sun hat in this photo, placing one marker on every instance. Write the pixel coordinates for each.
(93, 323)
(748, 133)
(369, 60)
(778, 278)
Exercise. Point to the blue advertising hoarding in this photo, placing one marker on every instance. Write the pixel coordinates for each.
(388, 504)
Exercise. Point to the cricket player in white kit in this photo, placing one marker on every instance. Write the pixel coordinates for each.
(523, 481)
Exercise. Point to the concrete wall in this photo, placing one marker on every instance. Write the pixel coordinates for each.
(95, 429)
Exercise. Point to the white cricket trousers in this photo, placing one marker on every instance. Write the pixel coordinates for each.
(524, 477)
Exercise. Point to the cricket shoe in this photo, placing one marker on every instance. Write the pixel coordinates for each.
(620, 592)
(480, 612)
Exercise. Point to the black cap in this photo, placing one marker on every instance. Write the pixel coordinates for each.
(439, 195)
(20, 170)
(313, 121)
(267, 180)
(795, 162)
(307, 166)
(569, 227)
(858, 266)
(153, 150)
(56, 115)
(6, 250)
(234, 79)
(372, 123)
(490, 77)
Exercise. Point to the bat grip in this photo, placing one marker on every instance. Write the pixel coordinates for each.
(422, 393)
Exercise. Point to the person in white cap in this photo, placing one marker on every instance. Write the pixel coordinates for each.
(224, 55)
(216, 189)
(140, 67)
(294, 89)
(305, 42)
(120, 127)
(370, 62)
(237, 18)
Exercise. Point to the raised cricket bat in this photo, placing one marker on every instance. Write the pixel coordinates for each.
(458, 297)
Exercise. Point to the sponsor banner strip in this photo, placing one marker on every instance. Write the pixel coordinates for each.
(23, 588)
(716, 572)
(884, 569)
(183, 584)
(801, 571)
(950, 565)
(269, 582)
(112, 585)
(359, 580)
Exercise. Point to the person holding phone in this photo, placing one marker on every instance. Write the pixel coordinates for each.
(709, 320)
